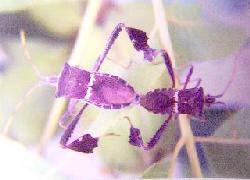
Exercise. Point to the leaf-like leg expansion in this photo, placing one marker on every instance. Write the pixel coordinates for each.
(154, 140)
(85, 144)
(135, 138)
(139, 39)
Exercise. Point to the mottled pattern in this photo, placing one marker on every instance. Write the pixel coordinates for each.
(191, 101)
(159, 101)
(135, 138)
(139, 39)
(73, 82)
(108, 90)
(84, 144)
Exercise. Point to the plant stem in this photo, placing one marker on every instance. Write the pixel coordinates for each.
(176, 152)
(76, 58)
(184, 123)
(221, 140)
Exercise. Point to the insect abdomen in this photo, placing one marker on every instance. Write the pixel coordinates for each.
(110, 92)
(159, 101)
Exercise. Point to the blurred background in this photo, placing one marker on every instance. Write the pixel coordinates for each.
(209, 34)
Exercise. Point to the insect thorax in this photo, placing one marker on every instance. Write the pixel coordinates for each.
(73, 82)
(159, 101)
(191, 101)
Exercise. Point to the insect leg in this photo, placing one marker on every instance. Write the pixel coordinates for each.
(71, 106)
(111, 40)
(85, 143)
(100, 59)
(154, 140)
(131, 61)
(70, 128)
(169, 66)
(135, 138)
(188, 77)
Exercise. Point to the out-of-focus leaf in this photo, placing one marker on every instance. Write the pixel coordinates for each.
(231, 160)
(157, 170)
(215, 117)
(30, 119)
(161, 168)
(19, 163)
(230, 12)
(17, 5)
(216, 74)
(194, 37)
(62, 17)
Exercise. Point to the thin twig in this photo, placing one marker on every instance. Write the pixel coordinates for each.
(221, 140)
(177, 149)
(76, 58)
(184, 123)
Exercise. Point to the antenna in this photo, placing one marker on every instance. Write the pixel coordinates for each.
(27, 54)
(29, 92)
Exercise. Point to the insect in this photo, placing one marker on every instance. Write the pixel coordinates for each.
(190, 101)
(100, 89)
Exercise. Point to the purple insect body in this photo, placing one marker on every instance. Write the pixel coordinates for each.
(108, 91)
(85, 144)
(73, 82)
(103, 90)
(112, 92)
(168, 101)
(159, 101)
(191, 101)
(139, 39)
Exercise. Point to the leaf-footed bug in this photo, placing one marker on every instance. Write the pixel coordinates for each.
(103, 90)
(190, 101)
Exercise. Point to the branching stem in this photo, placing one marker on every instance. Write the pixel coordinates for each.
(87, 24)
(184, 123)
